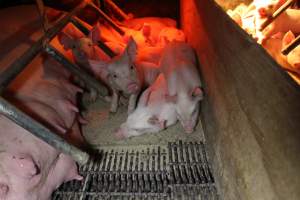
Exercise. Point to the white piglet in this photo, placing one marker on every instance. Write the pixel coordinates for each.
(178, 64)
(152, 114)
(125, 74)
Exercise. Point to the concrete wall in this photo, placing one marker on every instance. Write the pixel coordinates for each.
(251, 115)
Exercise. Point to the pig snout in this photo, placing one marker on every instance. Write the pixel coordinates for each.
(120, 134)
(132, 87)
(188, 126)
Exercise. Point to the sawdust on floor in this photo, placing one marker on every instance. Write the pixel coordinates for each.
(102, 124)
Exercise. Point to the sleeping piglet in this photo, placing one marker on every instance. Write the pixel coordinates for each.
(178, 64)
(126, 75)
(153, 112)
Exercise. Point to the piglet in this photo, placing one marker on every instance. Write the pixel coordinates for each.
(274, 46)
(170, 34)
(126, 75)
(178, 64)
(288, 20)
(155, 22)
(265, 8)
(153, 114)
(293, 58)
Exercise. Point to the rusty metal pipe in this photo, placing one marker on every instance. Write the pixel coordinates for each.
(40, 131)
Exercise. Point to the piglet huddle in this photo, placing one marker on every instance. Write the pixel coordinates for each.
(276, 36)
(151, 54)
(153, 67)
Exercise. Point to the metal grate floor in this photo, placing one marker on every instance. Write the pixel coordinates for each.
(176, 171)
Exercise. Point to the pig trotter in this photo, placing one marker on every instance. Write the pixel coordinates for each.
(93, 95)
(114, 102)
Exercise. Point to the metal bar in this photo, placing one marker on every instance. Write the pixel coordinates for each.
(118, 10)
(276, 14)
(42, 11)
(291, 46)
(19, 64)
(77, 22)
(89, 80)
(108, 19)
(40, 131)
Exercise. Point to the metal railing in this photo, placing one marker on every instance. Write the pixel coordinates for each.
(8, 75)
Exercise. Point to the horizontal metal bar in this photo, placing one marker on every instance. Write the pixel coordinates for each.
(19, 64)
(86, 31)
(108, 19)
(276, 14)
(291, 46)
(118, 10)
(74, 69)
(40, 131)
(80, 25)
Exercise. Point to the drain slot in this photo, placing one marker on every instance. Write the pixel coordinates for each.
(176, 171)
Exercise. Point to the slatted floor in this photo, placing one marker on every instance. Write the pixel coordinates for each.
(179, 170)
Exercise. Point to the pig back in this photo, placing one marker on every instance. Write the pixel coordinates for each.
(179, 65)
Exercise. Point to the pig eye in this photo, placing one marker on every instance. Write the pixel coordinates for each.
(132, 67)
(115, 76)
(89, 44)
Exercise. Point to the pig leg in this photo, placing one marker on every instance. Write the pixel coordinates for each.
(82, 120)
(115, 101)
(3, 190)
(93, 95)
(132, 103)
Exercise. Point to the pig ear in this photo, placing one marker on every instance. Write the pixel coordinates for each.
(155, 121)
(171, 98)
(66, 40)
(98, 67)
(287, 39)
(26, 166)
(146, 30)
(131, 49)
(95, 33)
(197, 93)
(144, 99)
(3, 190)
